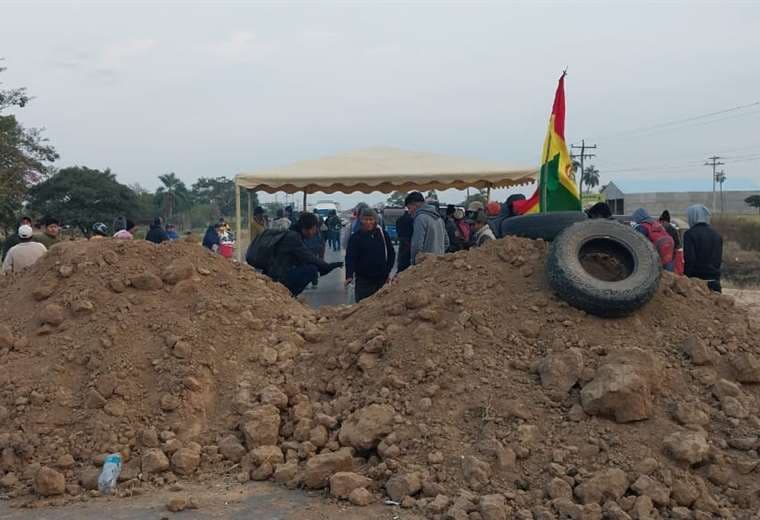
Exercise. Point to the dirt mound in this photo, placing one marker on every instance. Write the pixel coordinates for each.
(467, 387)
(147, 350)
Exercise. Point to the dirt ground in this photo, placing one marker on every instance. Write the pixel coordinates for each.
(260, 500)
(747, 297)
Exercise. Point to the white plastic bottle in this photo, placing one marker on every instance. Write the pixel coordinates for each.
(109, 476)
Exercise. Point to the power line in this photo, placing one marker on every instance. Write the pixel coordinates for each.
(714, 161)
(680, 121)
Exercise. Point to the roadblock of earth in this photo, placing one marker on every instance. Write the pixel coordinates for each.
(465, 390)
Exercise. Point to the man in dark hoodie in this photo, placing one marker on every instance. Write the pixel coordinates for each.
(451, 228)
(429, 232)
(156, 233)
(404, 228)
(703, 248)
(369, 256)
(292, 264)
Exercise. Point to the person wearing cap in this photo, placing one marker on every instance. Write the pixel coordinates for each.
(463, 233)
(483, 232)
(25, 253)
(14, 239)
(51, 230)
(429, 232)
(128, 233)
(369, 256)
(99, 231)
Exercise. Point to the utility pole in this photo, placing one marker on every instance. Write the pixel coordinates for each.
(721, 179)
(714, 161)
(583, 155)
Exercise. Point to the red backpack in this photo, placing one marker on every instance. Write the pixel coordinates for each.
(662, 241)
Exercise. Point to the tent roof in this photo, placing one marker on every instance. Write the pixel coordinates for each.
(386, 170)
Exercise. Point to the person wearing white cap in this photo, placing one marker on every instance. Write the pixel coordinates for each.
(25, 253)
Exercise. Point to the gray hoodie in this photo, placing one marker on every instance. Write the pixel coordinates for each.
(698, 214)
(429, 235)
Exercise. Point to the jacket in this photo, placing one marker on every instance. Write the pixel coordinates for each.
(451, 231)
(703, 252)
(429, 233)
(211, 238)
(404, 227)
(156, 234)
(370, 255)
(292, 252)
(23, 255)
(484, 235)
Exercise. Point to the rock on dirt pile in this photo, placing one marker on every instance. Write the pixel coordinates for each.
(129, 347)
(467, 390)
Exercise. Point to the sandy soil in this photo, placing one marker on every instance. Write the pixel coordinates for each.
(748, 297)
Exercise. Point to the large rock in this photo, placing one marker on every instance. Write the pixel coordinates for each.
(186, 460)
(477, 473)
(273, 395)
(619, 391)
(48, 482)
(697, 351)
(267, 454)
(154, 461)
(344, 482)
(261, 426)
(560, 371)
(608, 484)
(320, 468)
(746, 367)
(688, 446)
(647, 486)
(494, 507)
(231, 448)
(365, 428)
(404, 485)
(146, 282)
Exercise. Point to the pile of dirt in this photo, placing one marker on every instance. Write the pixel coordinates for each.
(467, 390)
(112, 346)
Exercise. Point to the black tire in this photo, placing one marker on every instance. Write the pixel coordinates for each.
(545, 226)
(604, 268)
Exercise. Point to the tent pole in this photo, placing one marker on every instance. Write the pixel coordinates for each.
(304, 201)
(250, 211)
(237, 219)
(488, 194)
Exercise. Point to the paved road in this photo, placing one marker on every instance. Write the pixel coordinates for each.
(255, 500)
(330, 290)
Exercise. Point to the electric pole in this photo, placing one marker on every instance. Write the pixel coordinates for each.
(583, 155)
(721, 178)
(714, 161)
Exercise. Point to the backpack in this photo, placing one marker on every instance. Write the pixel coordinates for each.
(662, 241)
(262, 250)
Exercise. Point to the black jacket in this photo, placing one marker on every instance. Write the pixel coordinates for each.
(673, 232)
(703, 252)
(370, 255)
(291, 252)
(156, 234)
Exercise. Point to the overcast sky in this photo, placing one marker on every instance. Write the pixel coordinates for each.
(208, 89)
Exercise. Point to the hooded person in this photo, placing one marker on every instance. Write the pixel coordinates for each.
(369, 256)
(429, 232)
(126, 233)
(23, 254)
(156, 233)
(482, 230)
(213, 237)
(645, 224)
(703, 248)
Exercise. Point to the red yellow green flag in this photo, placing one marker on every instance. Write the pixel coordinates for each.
(557, 190)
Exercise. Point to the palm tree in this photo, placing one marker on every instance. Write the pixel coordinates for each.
(590, 177)
(172, 195)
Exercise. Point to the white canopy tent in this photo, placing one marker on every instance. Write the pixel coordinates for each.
(381, 169)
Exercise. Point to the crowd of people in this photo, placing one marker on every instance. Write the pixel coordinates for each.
(296, 244)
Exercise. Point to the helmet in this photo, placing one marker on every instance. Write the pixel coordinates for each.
(99, 228)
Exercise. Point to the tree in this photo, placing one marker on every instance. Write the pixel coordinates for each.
(397, 198)
(590, 177)
(24, 157)
(172, 196)
(219, 192)
(146, 204)
(81, 196)
(753, 201)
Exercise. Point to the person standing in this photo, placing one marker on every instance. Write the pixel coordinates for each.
(171, 232)
(451, 228)
(258, 223)
(404, 229)
(14, 239)
(281, 222)
(25, 253)
(429, 232)
(703, 248)
(50, 233)
(156, 233)
(334, 226)
(213, 237)
(369, 256)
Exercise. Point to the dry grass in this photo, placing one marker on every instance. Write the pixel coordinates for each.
(744, 230)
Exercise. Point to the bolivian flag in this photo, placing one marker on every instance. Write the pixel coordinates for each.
(557, 190)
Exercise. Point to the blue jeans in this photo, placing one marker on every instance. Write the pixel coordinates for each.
(299, 277)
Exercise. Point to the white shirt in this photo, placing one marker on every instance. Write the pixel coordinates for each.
(22, 256)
